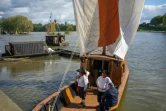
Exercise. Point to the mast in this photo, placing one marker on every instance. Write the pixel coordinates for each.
(50, 21)
(104, 50)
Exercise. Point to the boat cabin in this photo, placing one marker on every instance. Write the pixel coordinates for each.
(95, 63)
(56, 40)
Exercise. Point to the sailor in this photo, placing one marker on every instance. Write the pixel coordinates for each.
(82, 85)
(110, 98)
(102, 84)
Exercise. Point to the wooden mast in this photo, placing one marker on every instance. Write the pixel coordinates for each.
(104, 50)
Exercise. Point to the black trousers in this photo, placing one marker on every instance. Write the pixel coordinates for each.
(82, 93)
(99, 96)
(104, 106)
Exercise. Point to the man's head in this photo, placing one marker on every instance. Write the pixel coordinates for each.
(104, 73)
(110, 85)
(81, 71)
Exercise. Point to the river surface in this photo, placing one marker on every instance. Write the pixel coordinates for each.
(29, 81)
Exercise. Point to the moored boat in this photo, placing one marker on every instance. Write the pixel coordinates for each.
(111, 24)
(56, 40)
(26, 49)
(53, 38)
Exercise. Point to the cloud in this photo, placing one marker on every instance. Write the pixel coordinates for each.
(5, 4)
(39, 10)
(1, 13)
(62, 10)
(20, 10)
(151, 11)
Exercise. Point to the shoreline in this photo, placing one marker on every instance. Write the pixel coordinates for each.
(152, 31)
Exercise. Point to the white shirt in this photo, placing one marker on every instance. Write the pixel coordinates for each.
(102, 83)
(83, 82)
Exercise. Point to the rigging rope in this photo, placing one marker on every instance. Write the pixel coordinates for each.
(64, 76)
(58, 27)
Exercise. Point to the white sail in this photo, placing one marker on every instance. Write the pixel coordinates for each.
(86, 15)
(89, 27)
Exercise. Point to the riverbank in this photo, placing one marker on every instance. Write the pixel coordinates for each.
(151, 31)
(7, 104)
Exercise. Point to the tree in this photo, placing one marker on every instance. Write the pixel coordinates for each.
(164, 20)
(158, 20)
(39, 27)
(17, 24)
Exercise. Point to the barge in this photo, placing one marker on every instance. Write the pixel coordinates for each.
(25, 49)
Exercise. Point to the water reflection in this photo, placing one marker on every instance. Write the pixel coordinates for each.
(28, 82)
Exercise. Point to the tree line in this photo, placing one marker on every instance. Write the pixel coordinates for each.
(20, 24)
(157, 23)
(59, 27)
(16, 24)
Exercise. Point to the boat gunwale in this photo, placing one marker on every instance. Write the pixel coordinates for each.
(121, 88)
(46, 100)
(101, 57)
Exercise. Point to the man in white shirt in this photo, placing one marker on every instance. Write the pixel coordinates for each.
(82, 85)
(102, 84)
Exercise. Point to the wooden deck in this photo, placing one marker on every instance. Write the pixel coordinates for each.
(90, 100)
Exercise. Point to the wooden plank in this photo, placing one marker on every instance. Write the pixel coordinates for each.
(91, 103)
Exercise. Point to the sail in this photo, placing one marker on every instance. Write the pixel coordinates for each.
(130, 13)
(111, 23)
(87, 23)
(51, 29)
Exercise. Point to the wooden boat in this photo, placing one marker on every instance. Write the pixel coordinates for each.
(111, 24)
(25, 49)
(53, 38)
(32, 49)
(68, 99)
(56, 40)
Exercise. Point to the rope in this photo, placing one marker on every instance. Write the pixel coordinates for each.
(64, 76)
(58, 27)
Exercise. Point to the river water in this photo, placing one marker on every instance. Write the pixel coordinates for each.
(29, 81)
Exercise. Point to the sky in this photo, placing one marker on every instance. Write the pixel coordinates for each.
(62, 10)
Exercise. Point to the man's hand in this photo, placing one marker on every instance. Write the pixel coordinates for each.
(101, 88)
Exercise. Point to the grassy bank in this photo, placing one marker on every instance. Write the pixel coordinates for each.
(151, 29)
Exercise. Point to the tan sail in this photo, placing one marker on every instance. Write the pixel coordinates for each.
(109, 22)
